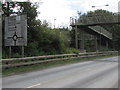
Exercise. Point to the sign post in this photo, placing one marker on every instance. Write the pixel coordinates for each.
(22, 51)
(9, 51)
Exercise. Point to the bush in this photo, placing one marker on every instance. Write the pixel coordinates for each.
(16, 55)
(71, 50)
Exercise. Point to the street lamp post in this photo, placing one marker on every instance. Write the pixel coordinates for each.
(54, 23)
(100, 6)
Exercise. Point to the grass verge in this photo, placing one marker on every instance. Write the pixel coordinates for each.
(22, 69)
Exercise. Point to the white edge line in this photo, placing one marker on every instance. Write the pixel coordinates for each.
(33, 85)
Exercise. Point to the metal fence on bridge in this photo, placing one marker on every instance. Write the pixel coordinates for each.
(95, 19)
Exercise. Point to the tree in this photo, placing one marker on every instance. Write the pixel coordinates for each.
(41, 39)
(27, 8)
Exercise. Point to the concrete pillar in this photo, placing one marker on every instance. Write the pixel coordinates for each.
(76, 38)
(82, 40)
(96, 44)
(100, 43)
(106, 44)
(0, 35)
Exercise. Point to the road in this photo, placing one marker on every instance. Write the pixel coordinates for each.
(99, 73)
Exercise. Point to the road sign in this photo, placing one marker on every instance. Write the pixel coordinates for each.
(16, 30)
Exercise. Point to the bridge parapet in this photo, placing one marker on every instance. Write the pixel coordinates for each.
(95, 20)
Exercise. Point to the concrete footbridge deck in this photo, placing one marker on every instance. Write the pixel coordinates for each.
(93, 22)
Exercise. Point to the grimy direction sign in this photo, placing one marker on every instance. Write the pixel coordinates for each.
(16, 30)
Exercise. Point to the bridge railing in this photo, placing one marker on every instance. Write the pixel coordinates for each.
(95, 19)
(73, 21)
(98, 20)
(18, 62)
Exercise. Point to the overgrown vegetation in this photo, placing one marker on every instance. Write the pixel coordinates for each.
(42, 39)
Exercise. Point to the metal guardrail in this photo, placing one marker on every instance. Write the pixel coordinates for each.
(17, 62)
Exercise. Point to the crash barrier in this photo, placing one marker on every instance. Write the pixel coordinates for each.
(25, 61)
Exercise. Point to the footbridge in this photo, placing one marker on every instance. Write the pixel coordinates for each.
(92, 24)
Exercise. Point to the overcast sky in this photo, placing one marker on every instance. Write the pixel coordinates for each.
(62, 10)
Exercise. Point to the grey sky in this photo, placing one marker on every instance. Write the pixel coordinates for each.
(62, 10)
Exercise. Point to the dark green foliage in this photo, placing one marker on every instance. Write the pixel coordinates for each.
(116, 37)
(90, 45)
(42, 40)
(72, 34)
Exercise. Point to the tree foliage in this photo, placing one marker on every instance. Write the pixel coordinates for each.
(42, 40)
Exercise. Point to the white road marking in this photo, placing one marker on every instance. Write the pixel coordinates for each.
(88, 69)
(33, 85)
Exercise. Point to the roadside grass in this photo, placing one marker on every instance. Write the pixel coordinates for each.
(27, 68)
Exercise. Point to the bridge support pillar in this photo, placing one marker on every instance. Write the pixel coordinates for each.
(100, 43)
(106, 44)
(96, 43)
(76, 37)
(82, 38)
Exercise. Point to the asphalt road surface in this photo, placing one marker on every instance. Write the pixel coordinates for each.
(100, 73)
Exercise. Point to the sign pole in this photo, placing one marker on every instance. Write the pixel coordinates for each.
(10, 51)
(22, 51)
